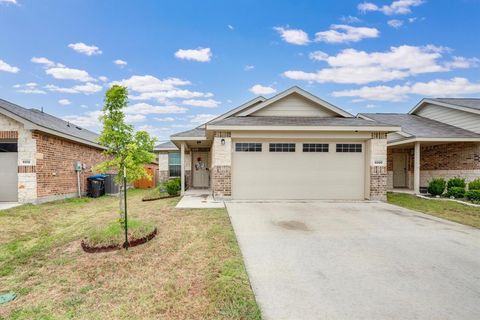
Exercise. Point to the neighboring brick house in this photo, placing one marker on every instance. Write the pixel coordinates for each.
(291, 146)
(439, 138)
(37, 155)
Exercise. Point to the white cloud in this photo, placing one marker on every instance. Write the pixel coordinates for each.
(64, 102)
(209, 103)
(87, 88)
(29, 88)
(202, 118)
(350, 19)
(230, 27)
(248, 67)
(44, 61)
(83, 48)
(396, 7)
(155, 131)
(360, 67)
(86, 120)
(453, 87)
(341, 33)
(293, 36)
(8, 68)
(462, 63)
(259, 89)
(395, 23)
(103, 78)
(199, 54)
(8, 1)
(145, 109)
(134, 118)
(149, 87)
(121, 63)
(370, 106)
(64, 73)
(165, 119)
(84, 106)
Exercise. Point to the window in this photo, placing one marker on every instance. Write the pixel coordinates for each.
(315, 147)
(248, 147)
(282, 147)
(174, 168)
(349, 147)
(8, 147)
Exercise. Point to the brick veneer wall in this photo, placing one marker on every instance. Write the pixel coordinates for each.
(55, 165)
(221, 175)
(222, 181)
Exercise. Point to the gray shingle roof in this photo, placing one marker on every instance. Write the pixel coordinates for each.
(421, 127)
(48, 121)
(165, 146)
(296, 121)
(462, 102)
(197, 132)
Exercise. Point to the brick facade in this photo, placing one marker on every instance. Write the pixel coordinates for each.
(221, 172)
(55, 165)
(222, 181)
(447, 160)
(377, 166)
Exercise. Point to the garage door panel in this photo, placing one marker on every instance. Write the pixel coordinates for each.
(8, 176)
(298, 175)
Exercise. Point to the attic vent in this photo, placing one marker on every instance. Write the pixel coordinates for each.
(78, 128)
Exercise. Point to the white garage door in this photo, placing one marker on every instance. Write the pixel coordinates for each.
(8, 172)
(298, 170)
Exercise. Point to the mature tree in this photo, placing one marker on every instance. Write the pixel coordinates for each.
(126, 149)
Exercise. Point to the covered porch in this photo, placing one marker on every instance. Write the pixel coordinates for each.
(411, 165)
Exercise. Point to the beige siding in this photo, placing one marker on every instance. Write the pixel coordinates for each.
(457, 118)
(294, 105)
(394, 136)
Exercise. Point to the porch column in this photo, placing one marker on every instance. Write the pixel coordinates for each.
(182, 167)
(416, 168)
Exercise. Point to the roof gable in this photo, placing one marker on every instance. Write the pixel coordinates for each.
(295, 102)
(467, 105)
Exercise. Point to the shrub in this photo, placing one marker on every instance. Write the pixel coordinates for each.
(436, 186)
(456, 182)
(473, 195)
(474, 185)
(173, 186)
(456, 192)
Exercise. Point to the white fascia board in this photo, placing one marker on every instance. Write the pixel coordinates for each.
(406, 141)
(239, 108)
(187, 138)
(305, 128)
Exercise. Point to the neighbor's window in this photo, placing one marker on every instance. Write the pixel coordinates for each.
(174, 167)
(8, 147)
(315, 147)
(282, 147)
(248, 147)
(349, 147)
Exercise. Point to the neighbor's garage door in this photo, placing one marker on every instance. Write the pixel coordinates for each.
(8, 171)
(298, 170)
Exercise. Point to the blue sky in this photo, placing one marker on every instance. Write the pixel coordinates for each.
(186, 61)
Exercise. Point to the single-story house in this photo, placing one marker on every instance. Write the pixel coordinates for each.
(38, 153)
(291, 146)
(438, 138)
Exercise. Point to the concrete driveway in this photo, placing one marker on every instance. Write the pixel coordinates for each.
(358, 260)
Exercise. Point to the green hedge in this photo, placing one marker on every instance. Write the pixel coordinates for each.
(173, 186)
(436, 187)
(474, 185)
(473, 195)
(456, 192)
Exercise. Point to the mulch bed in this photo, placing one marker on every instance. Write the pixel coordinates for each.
(114, 247)
(159, 198)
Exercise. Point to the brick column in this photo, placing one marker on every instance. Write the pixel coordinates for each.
(377, 166)
(222, 165)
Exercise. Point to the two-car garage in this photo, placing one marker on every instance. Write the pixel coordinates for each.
(293, 169)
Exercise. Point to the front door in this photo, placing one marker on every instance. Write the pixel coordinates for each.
(201, 172)
(399, 170)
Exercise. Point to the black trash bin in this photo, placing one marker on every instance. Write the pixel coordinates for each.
(96, 185)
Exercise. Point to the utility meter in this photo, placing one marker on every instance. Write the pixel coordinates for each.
(78, 166)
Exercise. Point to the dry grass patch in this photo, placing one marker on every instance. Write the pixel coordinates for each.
(192, 269)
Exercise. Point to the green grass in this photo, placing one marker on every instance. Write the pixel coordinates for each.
(155, 194)
(192, 269)
(114, 234)
(449, 210)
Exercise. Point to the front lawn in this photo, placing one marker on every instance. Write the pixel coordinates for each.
(449, 210)
(192, 269)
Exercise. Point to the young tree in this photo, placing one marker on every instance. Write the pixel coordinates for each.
(126, 149)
